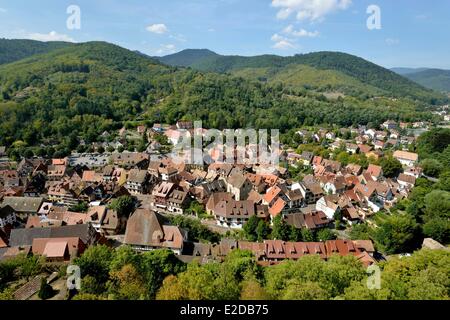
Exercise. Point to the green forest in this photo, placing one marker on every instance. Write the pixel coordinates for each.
(57, 98)
(123, 274)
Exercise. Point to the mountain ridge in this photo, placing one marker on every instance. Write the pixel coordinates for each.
(366, 72)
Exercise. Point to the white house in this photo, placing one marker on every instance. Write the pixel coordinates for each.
(406, 158)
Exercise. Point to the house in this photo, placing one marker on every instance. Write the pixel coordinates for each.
(406, 158)
(177, 201)
(406, 181)
(25, 237)
(184, 125)
(215, 198)
(62, 193)
(307, 158)
(390, 125)
(130, 160)
(351, 148)
(23, 206)
(7, 216)
(56, 172)
(379, 145)
(105, 220)
(375, 194)
(376, 172)
(414, 171)
(312, 221)
(354, 169)
(335, 186)
(137, 181)
(161, 194)
(239, 186)
(329, 205)
(58, 249)
(311, 192)
(168, 173)
(147, 231)
(233, 214)
(364, 148)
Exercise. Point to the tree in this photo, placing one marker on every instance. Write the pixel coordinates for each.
(280, 229)
(156, 266)
(127, 284)
(95, 262)
(397, 234)
(325, 235)
(250, 228)
(431, 167)
(438, 229)
(80, 207)
(437, 204)
(444, 182)
(307, 235)
(296, 290)
(252, 290)
(360, 232)
(262, 230)
(391, 167)
(123, 205)
(46, 290)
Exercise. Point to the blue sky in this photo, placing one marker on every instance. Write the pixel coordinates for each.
(414, 33)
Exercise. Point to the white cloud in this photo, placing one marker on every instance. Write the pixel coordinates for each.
(51, 36)
(158, 28)
(282, 43)
(392, 42)
(211, 30)
(300, 33)
(313, 10)
(166, 49)
(3, 10)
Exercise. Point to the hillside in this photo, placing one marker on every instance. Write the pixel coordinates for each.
(14, 50)
(364, 73)
(77, 93)
(187, 58)
(435, 79)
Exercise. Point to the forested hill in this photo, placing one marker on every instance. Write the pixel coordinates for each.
(272, 67)
(435, 79)
(76, 93)
(14, 50)
(188, 58)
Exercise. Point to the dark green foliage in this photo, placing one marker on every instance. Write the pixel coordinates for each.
(391, 167)
(80, 207)
(435, 79)
(123, 205)
(14, 50)
(79, 92)
(250, 229)
(397, 234)
(45, 291)
(187, 57)
(357, 68)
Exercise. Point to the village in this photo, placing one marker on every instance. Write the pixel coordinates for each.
(56, 208)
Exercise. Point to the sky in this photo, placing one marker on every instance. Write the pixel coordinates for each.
(405, 33)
